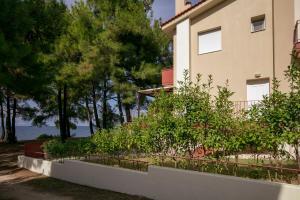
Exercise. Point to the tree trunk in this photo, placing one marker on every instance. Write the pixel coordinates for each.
(104, 105)
(127, 112)
(89, 115)
(95, 107)
(298, 156)
(121, 115)
(236, 158)
(13, 122)
(65, 111)
(68, 128)
(297, 146)
(60, 115)
(9, 137)
(2, 120)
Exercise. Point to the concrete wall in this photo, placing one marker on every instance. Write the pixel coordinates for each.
(284, 25)
(162, 183)
(243, 53)
(297, 10)
(181, 5)
(39, 166)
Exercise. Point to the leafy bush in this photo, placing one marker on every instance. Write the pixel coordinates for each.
(71, 148)
(180, 122)
(115, 141)
(54, 149)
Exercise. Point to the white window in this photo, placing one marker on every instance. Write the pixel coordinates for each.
(210, 41)
(256, 90)
(258, 23)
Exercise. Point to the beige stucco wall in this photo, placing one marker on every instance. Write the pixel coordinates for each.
(180, 5)
(283, 38)
(243, 54)
(162, 183)
(297, 9)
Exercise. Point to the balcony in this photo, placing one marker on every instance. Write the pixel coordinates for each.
(241, 106)
(297, 38)
(167, 77)
(166, 82)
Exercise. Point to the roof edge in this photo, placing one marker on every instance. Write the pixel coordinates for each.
(182, 13)
(197, 9)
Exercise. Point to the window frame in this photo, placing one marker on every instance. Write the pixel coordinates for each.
(257, 19)
(206, 32)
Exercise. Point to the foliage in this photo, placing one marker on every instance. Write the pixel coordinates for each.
(28, 31)
(178, 123)
(271, 117)
(54, 148)
(103, 51)
(71, 148)
(292, 130)
(45, 137)
(64, 59)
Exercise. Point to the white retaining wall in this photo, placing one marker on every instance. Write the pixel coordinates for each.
(39, 166)
(162, 183)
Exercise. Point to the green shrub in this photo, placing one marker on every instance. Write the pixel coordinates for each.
(54, 149)
(114, 142)
(180, 122)
(103, 141)
(71, 148)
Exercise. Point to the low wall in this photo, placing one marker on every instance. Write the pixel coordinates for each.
(162, 183)
(36, 165)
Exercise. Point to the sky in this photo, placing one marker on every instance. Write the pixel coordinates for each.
(163, 9)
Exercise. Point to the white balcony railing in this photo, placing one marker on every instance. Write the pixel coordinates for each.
(240, 106)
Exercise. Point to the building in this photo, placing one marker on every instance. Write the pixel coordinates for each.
(248, 42)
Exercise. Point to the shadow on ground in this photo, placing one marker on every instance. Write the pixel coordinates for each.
(9, 156)
(76, 192)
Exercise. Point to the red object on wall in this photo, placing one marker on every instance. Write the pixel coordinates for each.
(167, 77)
(34, 149)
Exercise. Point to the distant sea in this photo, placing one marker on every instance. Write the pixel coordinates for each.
(32, 132)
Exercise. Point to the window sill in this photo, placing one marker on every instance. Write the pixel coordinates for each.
(258, 31)
(209, 52)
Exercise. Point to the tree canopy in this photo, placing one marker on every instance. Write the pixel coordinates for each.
(83, 63)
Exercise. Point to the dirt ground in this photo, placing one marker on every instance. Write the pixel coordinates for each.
(21, 184)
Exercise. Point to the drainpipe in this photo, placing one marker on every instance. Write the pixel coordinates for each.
(273, 37)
